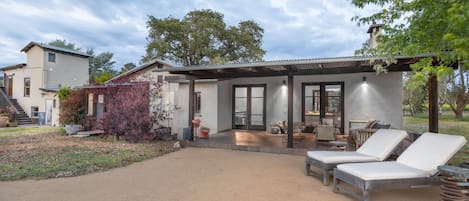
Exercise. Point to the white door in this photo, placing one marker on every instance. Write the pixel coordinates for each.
(49, 104)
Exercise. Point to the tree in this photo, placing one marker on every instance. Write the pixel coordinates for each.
(127, 67)
(64, 44)
(414, 94)
(202, 37)
(101, 66)
(423, 27)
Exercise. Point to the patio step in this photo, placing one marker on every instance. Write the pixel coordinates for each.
(275, 150)
(83, 134)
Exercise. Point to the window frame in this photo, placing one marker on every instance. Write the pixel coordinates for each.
(49, 54)
(197, 103)
(160, 78)
(34, 112)
(90, 108)
(27, 88)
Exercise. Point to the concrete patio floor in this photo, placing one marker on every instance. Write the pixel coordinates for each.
(197, 174)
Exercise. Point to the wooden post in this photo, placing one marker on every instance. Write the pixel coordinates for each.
(191, 106)
(290, 112)
(433, 104)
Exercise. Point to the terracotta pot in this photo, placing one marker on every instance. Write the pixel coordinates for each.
(196, 123)
(203, 133)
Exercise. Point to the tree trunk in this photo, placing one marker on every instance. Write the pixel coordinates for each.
(459, 110)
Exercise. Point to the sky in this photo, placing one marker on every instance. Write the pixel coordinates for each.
(293, 29)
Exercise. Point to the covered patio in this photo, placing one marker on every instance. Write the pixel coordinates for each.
(297, 74)
(264, 141)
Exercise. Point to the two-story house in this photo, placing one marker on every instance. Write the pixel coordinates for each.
(32, 86)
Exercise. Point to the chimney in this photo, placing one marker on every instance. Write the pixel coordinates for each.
(374, 31)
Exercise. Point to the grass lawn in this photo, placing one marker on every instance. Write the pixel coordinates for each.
(24, 131)
(447, 125)
(24, 155)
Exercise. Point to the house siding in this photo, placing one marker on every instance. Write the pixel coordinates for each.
(67, 70)
(381, 99)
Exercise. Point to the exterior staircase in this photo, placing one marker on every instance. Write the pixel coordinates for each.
(21, 117)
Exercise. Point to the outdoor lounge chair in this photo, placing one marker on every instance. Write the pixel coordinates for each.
(377, 148)
(417, 166)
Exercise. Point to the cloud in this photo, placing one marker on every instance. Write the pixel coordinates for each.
(292, 29)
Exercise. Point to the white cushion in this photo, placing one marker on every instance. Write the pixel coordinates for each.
(340, 156)
(382, 170)
(431, 150)
(382, 143)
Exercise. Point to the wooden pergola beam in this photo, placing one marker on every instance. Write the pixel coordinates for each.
(433, 104)
(191, 106)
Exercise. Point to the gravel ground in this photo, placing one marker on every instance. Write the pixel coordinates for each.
(197, 174)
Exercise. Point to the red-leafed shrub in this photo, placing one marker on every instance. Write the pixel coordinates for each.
(127, 111)
(73, 107)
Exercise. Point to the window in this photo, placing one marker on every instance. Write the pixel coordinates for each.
(198, 103)
(51, 57)
(34, 111)
(90, 104)
(27, 86)
(160, 79)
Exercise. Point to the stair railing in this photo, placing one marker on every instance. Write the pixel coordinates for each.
(7, 99)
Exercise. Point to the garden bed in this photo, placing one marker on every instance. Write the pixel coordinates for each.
(53, 155)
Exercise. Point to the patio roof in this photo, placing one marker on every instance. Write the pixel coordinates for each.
(336, 65)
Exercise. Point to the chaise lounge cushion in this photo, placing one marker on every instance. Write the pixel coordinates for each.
(382, 143)
(330, 157)
(382, 170)
(430, 151)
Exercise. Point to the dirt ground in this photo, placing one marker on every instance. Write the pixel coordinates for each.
(197, 174)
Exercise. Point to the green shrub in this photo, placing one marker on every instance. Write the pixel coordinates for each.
(64, 92)
(62, 131)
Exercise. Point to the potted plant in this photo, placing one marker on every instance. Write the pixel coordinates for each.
(203, 132)
(196, 123)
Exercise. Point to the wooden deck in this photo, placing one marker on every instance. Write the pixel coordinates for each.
(262, 141)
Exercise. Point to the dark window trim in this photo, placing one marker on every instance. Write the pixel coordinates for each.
(198, 107)
(36, 113)
(29, 87)
(322, 86)
(49, 57)
(233, 99)
(160, 78)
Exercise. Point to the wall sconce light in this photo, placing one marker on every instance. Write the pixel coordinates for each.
(364, 83)
(284, 83)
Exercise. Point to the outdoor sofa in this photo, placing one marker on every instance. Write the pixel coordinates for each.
(417, 166)
(377, 148)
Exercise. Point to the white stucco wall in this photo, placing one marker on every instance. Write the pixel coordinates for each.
(380, 99)
(209, 106)
(225, 107)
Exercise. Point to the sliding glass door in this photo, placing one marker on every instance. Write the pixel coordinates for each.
(249, 107)
(323, 102)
